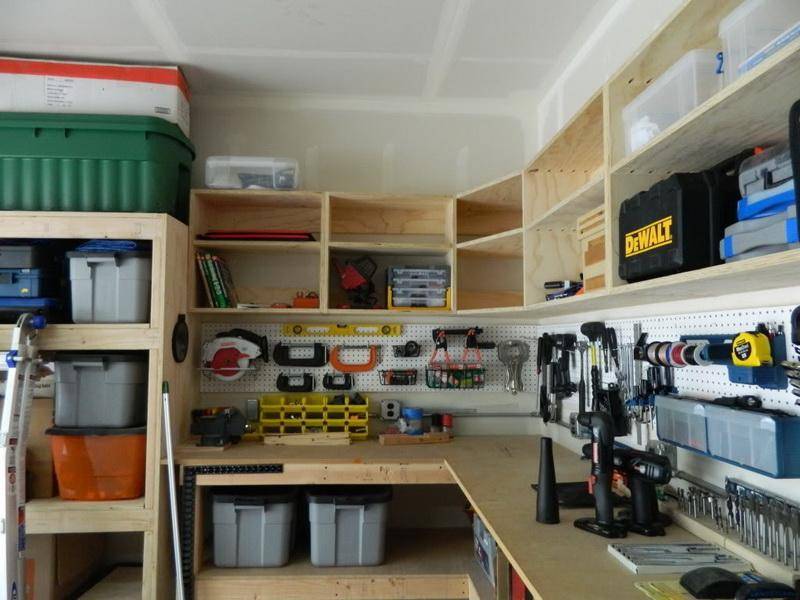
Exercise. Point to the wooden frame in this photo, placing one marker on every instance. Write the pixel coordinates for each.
(169, 250)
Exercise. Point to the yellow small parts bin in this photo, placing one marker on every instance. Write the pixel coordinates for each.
(314, 413)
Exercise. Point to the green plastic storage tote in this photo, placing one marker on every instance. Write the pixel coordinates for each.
(99, 163)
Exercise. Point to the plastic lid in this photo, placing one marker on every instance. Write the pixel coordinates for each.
(349, 494)
(83, 431)
(258, 495)
(737, 14)
(102, 122)
(109, 253)
(121, 356)
(14, 303)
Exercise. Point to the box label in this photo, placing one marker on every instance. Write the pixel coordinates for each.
(59, 91)
(651, 236)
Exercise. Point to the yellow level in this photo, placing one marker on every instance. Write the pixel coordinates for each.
(319, 329)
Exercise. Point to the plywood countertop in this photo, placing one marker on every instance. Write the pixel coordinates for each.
(556, 562)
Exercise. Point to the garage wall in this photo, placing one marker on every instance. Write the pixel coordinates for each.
(614, 31)
(379, 148)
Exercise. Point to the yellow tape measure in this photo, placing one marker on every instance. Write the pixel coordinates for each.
(320, 329)
(751, 349)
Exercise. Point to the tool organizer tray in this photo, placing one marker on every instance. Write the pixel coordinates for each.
(314, 413)
(263, 377)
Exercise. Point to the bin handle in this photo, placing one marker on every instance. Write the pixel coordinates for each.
(245, 506)
(102, 259)
(89, 364)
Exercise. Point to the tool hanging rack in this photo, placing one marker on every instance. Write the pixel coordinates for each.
(264, 377)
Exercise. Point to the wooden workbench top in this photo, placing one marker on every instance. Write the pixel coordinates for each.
(495, 472)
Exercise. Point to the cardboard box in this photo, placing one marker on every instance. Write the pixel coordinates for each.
(32, 85)
(57, 566)
(39, 473)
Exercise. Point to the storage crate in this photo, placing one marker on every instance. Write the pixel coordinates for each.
(110, 287)
(762, 442)
(348, 524)
(28, 283)
(101, 390)
(244, 172)
(682, 421)
(686, 84)
(99, 463)
(253, 527)
(753, 31)
(96, 163)
(592, 238)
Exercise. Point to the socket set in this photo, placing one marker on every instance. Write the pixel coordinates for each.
(764, 521)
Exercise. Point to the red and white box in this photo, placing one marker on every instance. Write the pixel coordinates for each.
(34, 85)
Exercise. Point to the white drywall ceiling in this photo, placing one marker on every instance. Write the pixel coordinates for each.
(417, 50)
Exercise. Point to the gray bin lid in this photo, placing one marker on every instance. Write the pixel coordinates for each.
(349, 494)
(256, 496)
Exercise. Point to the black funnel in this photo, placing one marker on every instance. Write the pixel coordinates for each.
(547, 500)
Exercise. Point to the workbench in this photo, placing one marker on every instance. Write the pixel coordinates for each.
(494, 472)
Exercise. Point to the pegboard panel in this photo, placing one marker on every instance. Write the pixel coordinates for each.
(263, 378)
(702, 382)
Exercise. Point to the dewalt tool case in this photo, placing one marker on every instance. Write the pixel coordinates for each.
(666, 229)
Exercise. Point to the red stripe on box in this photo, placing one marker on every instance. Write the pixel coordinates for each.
(140, 74)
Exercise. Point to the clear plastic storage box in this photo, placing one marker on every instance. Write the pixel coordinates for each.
(244, 172)
(759, 441)
(682, 422)
(754, 31)
(686, 84)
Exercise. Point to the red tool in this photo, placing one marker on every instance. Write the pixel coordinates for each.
(355, 277)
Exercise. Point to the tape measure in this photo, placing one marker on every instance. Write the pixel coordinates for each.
(751, 349)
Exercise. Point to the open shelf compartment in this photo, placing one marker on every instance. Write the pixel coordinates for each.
(409, 257)
(491, 272)
(399, 219)
(490, 209)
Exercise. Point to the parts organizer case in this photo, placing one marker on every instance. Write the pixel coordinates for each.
(677, 224)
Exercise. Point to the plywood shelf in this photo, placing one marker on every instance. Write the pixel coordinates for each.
(434, 564)
(564, 214)
(54, 515)
(257, 246)
(399, 248)
(254, 311)
(492, 208)
(123, 583)
(752, 111)
(505, 244)
(67, 336)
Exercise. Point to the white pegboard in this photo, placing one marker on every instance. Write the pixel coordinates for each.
(263, 378)
(702, 382)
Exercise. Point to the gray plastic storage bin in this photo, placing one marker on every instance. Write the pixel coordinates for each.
(253, 527)
(101, 390)
(25, 257)
(348, 525)
(110, 287)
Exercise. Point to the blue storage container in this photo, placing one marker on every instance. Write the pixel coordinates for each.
(28, 283)
(762, 442)
(11, 308)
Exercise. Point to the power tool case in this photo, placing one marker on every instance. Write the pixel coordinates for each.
(676, 225)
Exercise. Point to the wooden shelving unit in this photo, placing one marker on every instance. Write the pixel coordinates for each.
(432, 564)
(169, 242)
(123, 583)
(490, 209)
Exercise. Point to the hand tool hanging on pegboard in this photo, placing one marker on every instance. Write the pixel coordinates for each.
(232, 353)
(595, 332)
(791, 366)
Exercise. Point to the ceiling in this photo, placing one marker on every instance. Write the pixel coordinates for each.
(423, 49)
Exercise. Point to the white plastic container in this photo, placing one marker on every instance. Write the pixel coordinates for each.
(688, 83)
(682, 422)
(754, 31)
(110, 287)
(256, 172)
